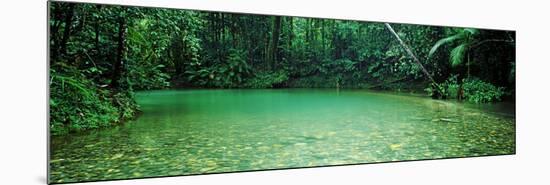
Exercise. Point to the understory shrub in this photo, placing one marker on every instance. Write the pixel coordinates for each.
(147, 77)
(267, 79)
(471, 89)
(479, 91)
(77, 103)
(229, 73)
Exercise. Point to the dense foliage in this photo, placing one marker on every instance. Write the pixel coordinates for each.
(479, 91)
(101, 54)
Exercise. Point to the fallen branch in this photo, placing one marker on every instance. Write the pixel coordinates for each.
(411, 54)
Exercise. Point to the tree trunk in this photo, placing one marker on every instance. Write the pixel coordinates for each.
(275, 41)
(411, 54)
(323, 42)
(57, 14)
(468, 65)
(266, 53)
(290, 32)
(308, 31)
(222, 27)
(117, 71)
(233, 30)
(97, 23)
(66, 31)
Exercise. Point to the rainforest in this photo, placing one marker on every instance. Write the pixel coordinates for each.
(146, 92)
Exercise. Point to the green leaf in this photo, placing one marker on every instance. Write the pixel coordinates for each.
(457, 54)
(471, 31)
(441, 42)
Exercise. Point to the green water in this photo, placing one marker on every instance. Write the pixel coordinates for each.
(208, 131)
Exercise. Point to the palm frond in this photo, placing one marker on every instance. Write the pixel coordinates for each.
(471, 31)
(457, 54)
(439, 43)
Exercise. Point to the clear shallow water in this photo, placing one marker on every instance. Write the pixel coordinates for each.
(209, 131)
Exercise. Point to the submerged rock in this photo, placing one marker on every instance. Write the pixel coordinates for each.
(445, 120)
(263, 148)
(117, 156)
(448, 120)
(300, 144)
(56, 160)
(395, 146)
